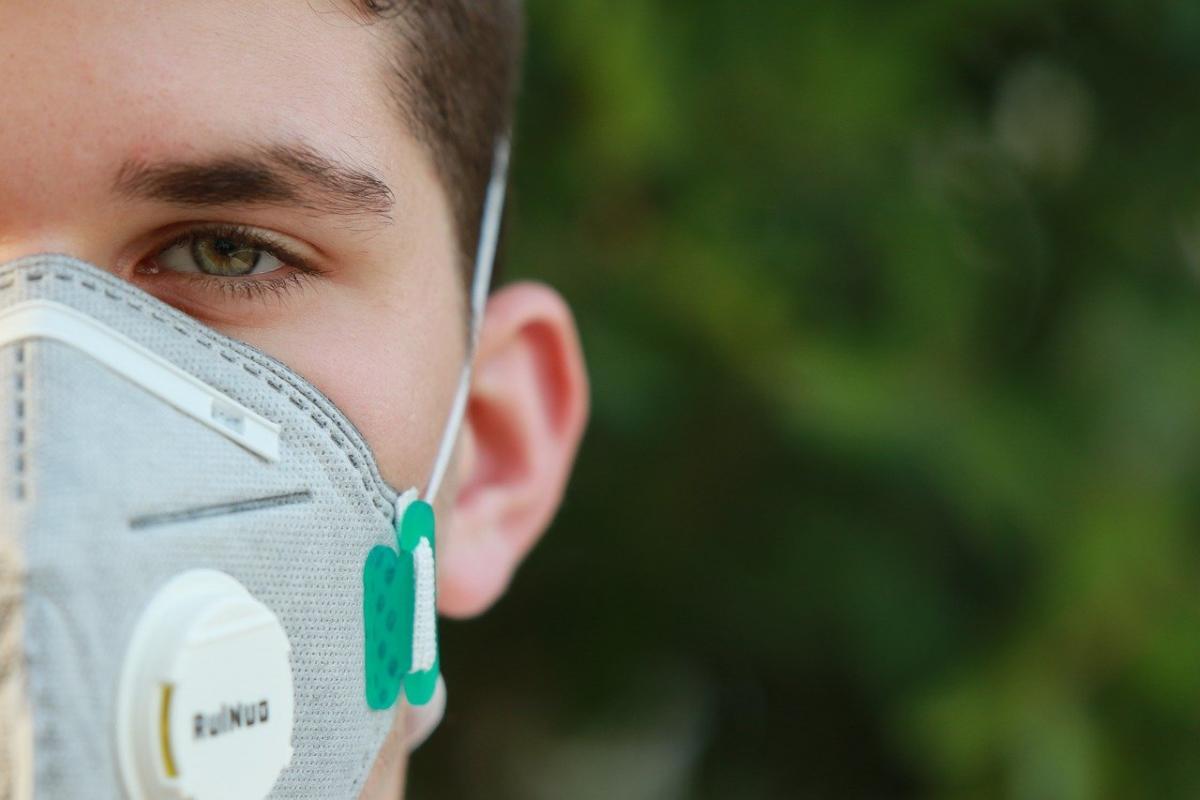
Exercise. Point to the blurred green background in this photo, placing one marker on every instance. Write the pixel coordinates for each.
(890, 489)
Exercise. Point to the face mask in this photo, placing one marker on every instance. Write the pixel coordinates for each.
(207, 590)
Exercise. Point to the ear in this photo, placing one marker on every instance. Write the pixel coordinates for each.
(525, 417)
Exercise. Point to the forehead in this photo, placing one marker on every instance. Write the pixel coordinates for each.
(89, 84)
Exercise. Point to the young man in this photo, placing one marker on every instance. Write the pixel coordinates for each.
(309, 177)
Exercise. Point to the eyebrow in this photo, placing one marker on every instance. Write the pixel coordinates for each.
(276, 174)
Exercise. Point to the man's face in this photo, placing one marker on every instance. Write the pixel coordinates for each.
(130, 130)
(244, 160)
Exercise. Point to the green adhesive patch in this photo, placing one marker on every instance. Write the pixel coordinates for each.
(387, 615)
(389, 597)
(418, 526)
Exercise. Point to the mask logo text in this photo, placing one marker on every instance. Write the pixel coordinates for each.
(229, 718)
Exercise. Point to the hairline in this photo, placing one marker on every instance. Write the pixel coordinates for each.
(458, 126)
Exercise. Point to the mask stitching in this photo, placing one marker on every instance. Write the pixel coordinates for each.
(368, 476)
(19, 433)
(380, 502)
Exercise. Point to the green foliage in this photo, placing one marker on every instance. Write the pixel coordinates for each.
(892, 318)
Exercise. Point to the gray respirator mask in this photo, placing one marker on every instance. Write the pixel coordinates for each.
(207, 590)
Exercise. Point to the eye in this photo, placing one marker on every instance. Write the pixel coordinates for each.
(221, 254)
(212, 268)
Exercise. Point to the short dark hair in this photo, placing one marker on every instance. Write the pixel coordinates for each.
(454, 76)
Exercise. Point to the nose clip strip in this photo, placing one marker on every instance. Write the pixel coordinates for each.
(45, 319)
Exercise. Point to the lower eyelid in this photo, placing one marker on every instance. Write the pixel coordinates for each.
(216, 293)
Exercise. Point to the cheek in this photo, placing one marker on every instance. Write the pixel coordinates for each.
(391, 372)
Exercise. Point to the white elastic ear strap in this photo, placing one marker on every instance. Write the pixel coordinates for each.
(423, 719)
(485, 260)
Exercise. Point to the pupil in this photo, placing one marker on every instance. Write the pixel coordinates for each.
(224, 247)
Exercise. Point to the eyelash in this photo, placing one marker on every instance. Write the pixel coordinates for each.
(249, 287)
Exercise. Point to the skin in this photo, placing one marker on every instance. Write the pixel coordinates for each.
(90, 88)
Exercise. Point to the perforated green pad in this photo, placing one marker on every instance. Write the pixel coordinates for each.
(387, 615)
(389, 594)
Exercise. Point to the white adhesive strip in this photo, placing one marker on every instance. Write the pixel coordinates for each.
(424, 615)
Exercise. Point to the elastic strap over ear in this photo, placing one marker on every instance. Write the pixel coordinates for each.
(485, 260)
(427, 694)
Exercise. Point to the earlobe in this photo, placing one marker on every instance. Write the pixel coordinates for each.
(526, 415)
